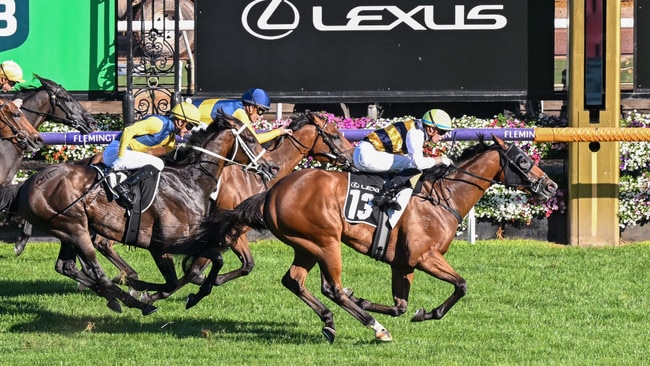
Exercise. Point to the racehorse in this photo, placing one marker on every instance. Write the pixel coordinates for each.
(50, 102)
(16, 131)
(306, 210)
(68, 202)
(312, 136)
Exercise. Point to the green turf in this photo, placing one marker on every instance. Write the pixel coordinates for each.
(528, 303)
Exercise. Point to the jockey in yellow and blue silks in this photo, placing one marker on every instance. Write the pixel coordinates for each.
(399, 147)
(141, 143)
(253, 104)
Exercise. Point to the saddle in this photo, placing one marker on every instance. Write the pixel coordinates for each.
(144, 192)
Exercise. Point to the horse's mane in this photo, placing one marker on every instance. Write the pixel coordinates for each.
(29, 89)
(438, 171)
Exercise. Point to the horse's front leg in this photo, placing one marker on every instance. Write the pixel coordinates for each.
(217, 263)
(436, 265)
(25, 234)
(105, 246)
(401, 286)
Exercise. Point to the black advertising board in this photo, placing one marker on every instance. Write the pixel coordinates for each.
(376, 50)
(642, 49)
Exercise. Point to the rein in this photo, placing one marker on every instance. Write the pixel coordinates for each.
(513, 158)
(253, 165)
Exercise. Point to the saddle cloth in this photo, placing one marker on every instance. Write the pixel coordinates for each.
(362, 188)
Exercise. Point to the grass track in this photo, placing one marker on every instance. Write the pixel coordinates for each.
(528, 303)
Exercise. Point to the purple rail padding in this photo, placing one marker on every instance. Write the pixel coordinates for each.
(459, 134)
(465, 134)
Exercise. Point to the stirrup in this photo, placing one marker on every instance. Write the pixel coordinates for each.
(127, 197)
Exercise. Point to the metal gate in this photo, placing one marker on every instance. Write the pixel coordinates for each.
(159, 55)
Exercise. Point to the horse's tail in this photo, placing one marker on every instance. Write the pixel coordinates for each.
(224, 227)
(8, 196)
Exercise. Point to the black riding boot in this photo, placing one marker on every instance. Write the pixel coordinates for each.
(124, 189)
(385, 199)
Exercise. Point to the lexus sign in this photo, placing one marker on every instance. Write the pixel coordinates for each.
(346, 51)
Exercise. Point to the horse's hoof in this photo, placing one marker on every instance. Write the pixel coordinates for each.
(114, 305)
(383, 336)
(149, 309)
(329, 333)
(19, 248)
(419, 315)
(191, 301)
(348, 292)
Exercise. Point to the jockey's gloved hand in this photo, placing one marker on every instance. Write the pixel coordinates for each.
(445, 160)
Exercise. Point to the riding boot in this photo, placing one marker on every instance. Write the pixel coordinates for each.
(124, 189)
(385, 199)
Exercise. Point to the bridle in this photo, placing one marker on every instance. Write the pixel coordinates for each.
(513, 161)
(335, 154)
(55, 102)
(20, 136)
(239, 142)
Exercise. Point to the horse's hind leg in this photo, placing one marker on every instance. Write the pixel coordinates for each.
(100, 282)
(243, 252)
(438, 267)
(331, 287)
(401, 284)
(217, 263)
(294, 280)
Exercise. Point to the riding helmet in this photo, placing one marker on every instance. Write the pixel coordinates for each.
(437, 118)
(187, 112)
(12, 71)
(257, 97)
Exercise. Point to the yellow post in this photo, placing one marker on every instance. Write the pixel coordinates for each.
(594, 69)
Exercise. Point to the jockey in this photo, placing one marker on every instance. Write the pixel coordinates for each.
(144, 141)
(400, 146)
(253, 104)
(11, 74)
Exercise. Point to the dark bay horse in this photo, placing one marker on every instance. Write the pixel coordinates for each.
(312, 136)
(68, 202)
(49, 102)
(306, 211)
(16, 132)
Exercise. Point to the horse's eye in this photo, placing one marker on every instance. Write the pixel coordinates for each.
(523, 162)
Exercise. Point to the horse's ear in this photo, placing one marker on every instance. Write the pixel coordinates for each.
(498, 141)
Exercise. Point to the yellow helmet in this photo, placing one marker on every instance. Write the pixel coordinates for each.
(187, 112)
(12, 71)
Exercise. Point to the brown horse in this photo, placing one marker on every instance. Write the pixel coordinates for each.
(67, 201)
(312, 136)
(306, 210)
(16, 130)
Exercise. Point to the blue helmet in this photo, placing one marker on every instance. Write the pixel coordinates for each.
(256, 97)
